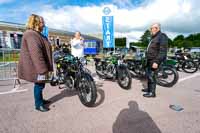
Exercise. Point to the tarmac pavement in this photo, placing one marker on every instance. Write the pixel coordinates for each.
(116, 110)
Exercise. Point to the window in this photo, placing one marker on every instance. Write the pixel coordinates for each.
(93, 44)
(90, 44)
(15, 40)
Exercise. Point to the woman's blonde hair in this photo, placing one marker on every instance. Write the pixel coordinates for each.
(33, 22)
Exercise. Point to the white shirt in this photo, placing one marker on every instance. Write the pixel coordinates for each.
(77, 48)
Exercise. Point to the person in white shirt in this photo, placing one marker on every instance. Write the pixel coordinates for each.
(77, 50)
(77, 45)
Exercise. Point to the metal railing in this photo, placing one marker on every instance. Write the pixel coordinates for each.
(8, 64)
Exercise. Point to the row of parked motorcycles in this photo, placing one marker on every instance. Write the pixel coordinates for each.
(119, 68)
(72, 72)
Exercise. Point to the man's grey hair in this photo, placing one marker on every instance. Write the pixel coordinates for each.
(157, 25)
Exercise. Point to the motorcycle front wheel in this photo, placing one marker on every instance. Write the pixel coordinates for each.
(167, 76)
(87, 91)
(124, 78)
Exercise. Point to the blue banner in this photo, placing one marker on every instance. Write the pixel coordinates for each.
(45, 31)
(108, 31)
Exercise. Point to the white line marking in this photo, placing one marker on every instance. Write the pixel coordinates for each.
(189, 77)
(14, 90)
(2, 65)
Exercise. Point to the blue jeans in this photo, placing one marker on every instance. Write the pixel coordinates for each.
(38, 88)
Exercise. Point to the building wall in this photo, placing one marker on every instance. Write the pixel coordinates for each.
(6, 40)
(8, 29)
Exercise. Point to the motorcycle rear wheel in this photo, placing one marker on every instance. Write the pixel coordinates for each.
(189, 66)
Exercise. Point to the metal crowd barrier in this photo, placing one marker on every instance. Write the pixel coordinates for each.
(8, 64)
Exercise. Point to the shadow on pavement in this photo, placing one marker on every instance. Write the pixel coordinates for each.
(101, 94)
(67, 93)
(134, 120)
(197, 90)
(61, 95)
(142, 79)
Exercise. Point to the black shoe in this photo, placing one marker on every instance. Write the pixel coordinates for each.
(145, 90)
(42, 109)
(149, 95)
(46, 102)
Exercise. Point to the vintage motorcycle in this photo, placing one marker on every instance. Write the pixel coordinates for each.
(114, 68)
(185, 62)
(71, 72)
(166, 75)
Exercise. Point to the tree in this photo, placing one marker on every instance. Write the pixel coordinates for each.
(145, 38)
(120, 42)
(178, 41)
(179, 38)
(187, 44)
(170, 43)
(193, 40)
(191, 37)
(139, 44)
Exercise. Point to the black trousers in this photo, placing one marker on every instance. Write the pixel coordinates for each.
(151, 77)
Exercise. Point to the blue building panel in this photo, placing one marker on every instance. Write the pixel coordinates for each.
(92, 47)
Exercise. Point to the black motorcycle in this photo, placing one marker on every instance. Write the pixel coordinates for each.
(185, 62)
(113, 67)
(166, 75)
(71, 72)
(196, 59)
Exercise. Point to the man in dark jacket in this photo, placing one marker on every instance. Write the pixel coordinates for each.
(156, 54)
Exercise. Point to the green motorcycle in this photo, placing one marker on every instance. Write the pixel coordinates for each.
(113, 67)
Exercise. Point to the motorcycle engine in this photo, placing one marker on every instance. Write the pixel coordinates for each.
(110, 71)
(69, 82)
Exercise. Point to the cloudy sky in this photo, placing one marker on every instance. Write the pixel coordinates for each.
(131, 17)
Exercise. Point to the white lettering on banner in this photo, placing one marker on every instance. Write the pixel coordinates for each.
(108, 38)
(107, 19)
(107, 26)
(108, 43)
(107, 32)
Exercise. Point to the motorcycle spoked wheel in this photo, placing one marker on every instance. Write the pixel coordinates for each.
(105, 74)
(167, 77)
(189, 66)
(124, 78)
(99, 71)
(87, 90)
